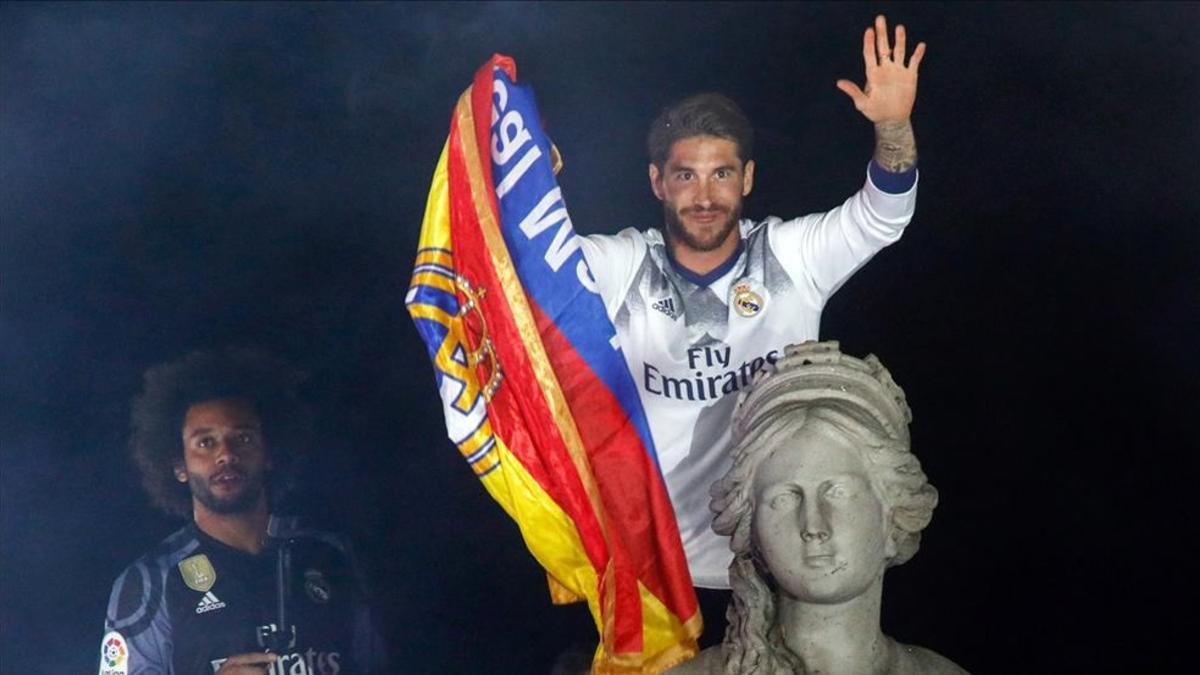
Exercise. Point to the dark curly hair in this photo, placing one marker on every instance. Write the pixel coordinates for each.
(700, 115)
(267, 383)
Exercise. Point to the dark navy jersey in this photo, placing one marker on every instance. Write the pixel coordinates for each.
(193, 601)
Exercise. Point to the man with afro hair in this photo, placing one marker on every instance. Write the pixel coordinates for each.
(235, 591)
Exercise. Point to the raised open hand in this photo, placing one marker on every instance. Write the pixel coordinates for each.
(891, 86)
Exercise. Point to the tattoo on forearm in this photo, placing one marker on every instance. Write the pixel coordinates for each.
(895, 146)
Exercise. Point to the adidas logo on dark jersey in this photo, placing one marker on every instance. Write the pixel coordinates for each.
(208, 603)
(666, 306)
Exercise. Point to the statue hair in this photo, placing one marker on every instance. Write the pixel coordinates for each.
(858, 398)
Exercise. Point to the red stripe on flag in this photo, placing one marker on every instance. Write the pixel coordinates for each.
(481, 102)
(627, 477)
(518, 411)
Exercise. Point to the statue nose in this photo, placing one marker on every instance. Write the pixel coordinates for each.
(815, 524)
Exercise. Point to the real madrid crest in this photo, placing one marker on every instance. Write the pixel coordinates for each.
(746, 301)
(316, 586)
(198, 573)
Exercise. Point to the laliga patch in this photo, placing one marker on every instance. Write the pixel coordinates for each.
(198, 573)
(745, 301)
(114, 655)
(317, 587)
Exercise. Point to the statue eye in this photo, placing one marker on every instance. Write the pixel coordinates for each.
(784, 500)
(837, 490)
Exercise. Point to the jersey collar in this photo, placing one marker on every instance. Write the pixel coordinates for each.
(703, 280)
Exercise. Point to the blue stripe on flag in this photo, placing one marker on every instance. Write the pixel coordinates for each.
(432, 333)
(545, 248)
(428, 295)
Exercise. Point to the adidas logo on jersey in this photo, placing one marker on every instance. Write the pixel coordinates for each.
(666, 306)
(208, 603)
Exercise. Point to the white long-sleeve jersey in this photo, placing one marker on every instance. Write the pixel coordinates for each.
(693, 342)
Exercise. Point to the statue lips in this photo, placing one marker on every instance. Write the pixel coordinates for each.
(819, 559)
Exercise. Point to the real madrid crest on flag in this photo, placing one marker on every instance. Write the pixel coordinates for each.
(198, 573)
(746, 301)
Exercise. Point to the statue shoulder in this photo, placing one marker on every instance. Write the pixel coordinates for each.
(711, 661)
(913, 660)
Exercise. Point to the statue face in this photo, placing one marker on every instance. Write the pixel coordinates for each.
(818, 524)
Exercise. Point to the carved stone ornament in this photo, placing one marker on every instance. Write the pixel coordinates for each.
(824, 495)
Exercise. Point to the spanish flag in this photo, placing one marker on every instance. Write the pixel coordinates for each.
(536, 393)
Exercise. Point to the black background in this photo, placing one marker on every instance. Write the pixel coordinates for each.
(175, 176)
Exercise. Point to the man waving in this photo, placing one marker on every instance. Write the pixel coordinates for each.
(707, 301)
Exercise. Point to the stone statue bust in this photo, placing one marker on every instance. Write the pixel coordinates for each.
(823, 496)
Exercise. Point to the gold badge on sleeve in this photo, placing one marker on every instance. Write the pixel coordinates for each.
(198, 573)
